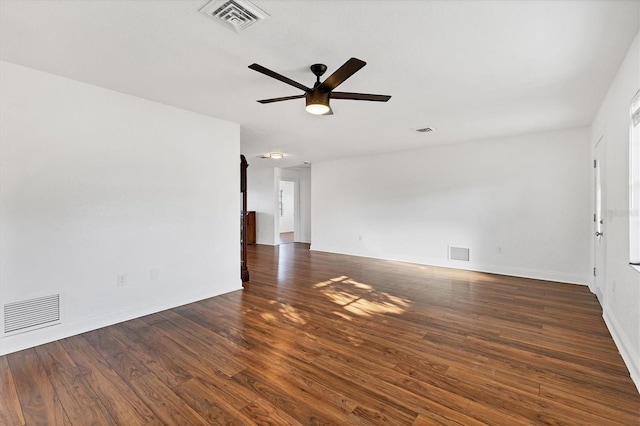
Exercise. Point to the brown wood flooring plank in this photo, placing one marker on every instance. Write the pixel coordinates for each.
(166, 405)
(295, 403)
(10, 410)
(116, 354)
(152, 356)
(319, 338)
(597, 408)
(38, 399)
(122, 403)
(623, 396)
(213, 359)
(263, 413)
(557, 362)
(392, 396)
(78, 399)
(210, 404)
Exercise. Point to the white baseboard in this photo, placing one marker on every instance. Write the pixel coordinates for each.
(18, 342)
(537, 274)
(630, 358)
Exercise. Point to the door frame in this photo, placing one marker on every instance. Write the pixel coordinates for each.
(296, 208)
(599, 243)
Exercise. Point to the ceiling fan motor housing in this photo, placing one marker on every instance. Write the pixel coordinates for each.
(318, 97)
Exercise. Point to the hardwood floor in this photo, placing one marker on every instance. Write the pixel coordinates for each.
(286, 237)
(319, 338)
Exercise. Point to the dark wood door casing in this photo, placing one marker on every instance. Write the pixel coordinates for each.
(244, 270)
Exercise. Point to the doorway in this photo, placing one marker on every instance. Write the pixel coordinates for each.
(287, 211)
(599, 234)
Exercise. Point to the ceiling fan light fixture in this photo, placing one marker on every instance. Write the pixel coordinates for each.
(317, 109)
(317, 102)
(272, 155)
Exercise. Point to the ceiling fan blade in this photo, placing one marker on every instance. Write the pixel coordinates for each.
(277, 76)
(330, 112)
(285, 98)
(360, 96)
(341, 74)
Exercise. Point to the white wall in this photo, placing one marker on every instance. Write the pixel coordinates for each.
(95, 183)
(527, 195)
(262, 197)
(620, 296)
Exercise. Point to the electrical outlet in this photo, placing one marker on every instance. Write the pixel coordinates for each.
(154, 274)
(121, 280)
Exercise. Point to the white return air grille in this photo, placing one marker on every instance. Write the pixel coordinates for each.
(238, 14)
(459, 253)
(31, 313)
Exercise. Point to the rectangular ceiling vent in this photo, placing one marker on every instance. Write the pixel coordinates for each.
(237, 14)
(31, 314)
(459, 253)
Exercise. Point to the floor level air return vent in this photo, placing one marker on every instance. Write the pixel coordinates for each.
(459, 253)
(32, 313)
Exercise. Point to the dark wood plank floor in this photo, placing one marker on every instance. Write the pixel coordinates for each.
(286, 237)
(319, 338)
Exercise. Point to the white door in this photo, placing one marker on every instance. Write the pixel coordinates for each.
(599, 235)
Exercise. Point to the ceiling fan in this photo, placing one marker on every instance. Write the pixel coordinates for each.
(318, 97)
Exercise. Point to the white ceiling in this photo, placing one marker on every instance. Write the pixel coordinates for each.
(471, 69)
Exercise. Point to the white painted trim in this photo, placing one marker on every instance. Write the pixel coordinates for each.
(631, 359)
(41, 336)
(598, 291)
(536, 274)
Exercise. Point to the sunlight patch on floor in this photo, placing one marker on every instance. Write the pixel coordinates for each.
(342, 314)
(292, 314)
(287, 311)
(331, 281)
(449, 272)
(360, 298)
(366, 308)
(268, 316)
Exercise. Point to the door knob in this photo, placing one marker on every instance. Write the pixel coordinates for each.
(599, 234)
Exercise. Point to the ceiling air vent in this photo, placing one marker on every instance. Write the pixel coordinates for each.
(425, 129)
(237, 14)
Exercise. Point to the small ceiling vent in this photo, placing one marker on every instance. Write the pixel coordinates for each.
(425, 129)
(237, 14)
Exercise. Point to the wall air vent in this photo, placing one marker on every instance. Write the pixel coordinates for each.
(31, 314)
(237, 14)
(458, 253)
